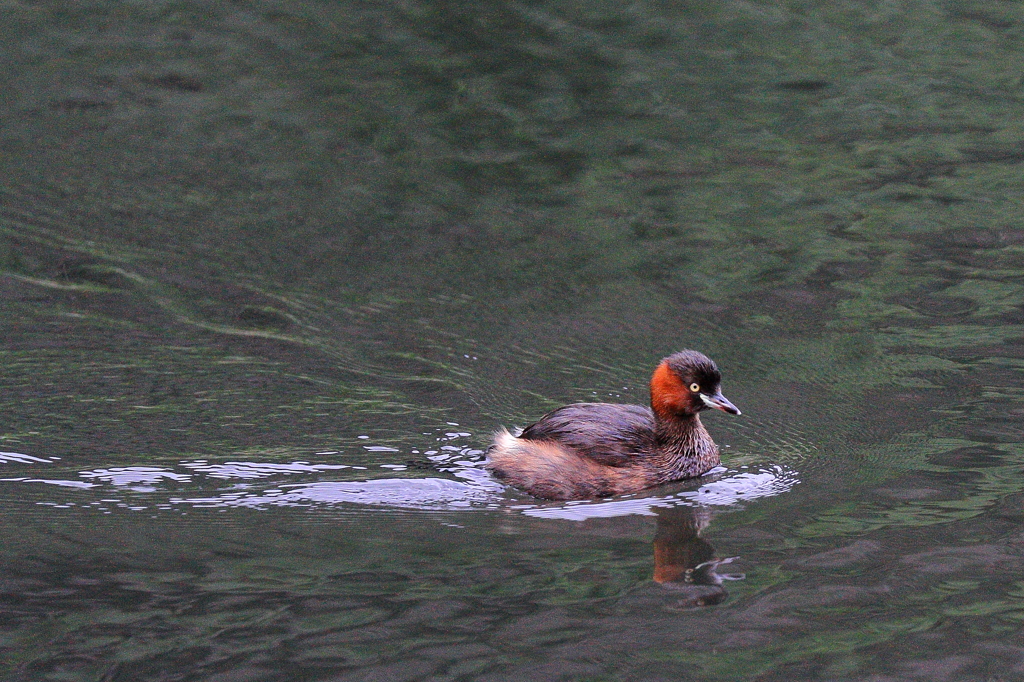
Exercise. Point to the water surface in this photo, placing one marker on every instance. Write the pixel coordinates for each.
(271, 275)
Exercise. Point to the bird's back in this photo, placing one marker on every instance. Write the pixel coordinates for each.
(610, 434)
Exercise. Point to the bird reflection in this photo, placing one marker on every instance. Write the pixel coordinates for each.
(684, 562)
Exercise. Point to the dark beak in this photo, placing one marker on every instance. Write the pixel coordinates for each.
(719, 402)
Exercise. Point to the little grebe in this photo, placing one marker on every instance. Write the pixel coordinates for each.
(590, 450)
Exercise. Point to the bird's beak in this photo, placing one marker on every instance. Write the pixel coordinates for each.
(719, 402)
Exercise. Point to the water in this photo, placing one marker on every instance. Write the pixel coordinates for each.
(271, 275)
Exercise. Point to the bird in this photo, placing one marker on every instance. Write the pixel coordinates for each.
(591, 450)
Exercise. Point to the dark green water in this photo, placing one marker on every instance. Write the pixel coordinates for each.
(272, 273)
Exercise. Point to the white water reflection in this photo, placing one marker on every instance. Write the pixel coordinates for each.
(23, 459)
(427, 494)
(732, 488)
(253, 484)
(478, 490)
(252, 470)
(129, 476)
(50, 481)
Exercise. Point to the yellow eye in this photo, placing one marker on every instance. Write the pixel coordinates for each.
(695, 387)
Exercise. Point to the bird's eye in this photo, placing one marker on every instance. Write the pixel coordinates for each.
(695, 387)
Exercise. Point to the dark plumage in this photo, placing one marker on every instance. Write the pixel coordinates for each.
(598, 449)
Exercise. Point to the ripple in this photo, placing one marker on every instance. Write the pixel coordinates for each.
(253, 484)
(255, 470)
(53, 481)
(731, 489)
(134, 475)
(17, 457)
(425, 494)
(477, 490)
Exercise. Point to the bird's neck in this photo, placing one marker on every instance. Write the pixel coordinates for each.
(685, 447)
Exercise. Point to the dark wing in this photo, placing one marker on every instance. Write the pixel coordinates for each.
(607, 433)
